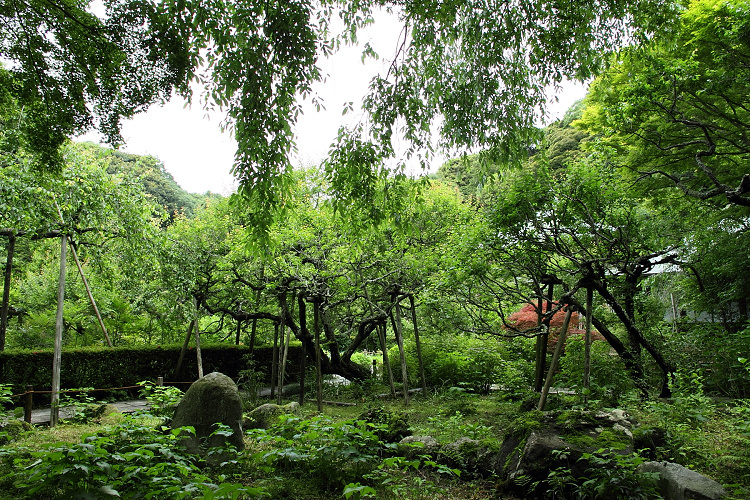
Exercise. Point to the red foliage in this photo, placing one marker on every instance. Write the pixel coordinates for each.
(526, 319)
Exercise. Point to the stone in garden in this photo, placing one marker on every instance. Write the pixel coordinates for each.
(268, 414)
(469, 455)
(539, 442)
(679, 483)
(12, 429)
(428, 445)
(209, 401)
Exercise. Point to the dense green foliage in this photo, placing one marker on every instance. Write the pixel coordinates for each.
(638, 196)
(474, 70)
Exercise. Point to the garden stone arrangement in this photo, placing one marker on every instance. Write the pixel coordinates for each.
(568, 444)
(210, 401)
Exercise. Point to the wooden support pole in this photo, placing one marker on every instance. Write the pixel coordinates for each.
(318, 368)
(274, 358)
(6, 290)
(91, 296)
(555, 359)
(539, 348)
(185, 345)
(396, 320)
(386, 359)
(284, 357)
(418, 345)
(28, 403)
(57, 357)
(587, 345)
(303, 355)
(198, 355)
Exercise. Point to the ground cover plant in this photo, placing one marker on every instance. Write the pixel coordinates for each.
(352, 452)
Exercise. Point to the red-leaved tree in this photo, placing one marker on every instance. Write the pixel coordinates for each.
(527, 318)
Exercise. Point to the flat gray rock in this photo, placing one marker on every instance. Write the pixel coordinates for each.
(680, 483)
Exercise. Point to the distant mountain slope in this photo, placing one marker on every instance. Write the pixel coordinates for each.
(156, 181)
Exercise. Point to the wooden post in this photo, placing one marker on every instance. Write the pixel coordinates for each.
(587, 345)
(318, 368)
(555, 359)
(418, 344)
(91, 296)
(253, 333)
(6, 290)
(56, 359)
(274, 358)
(303, 355)
(160, 381)
(238, 334)
(386, 359)
(539, 351)
(396, 320)
(185, 345)
(284, 357)
(198, 355)
(28, 403)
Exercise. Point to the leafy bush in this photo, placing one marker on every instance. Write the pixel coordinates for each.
(471, 363)
(610, 380)
(390, 427)
(387, 478)
(609, 476)
(324, 452)
(718, 353)
(163, 399)
(81, 407)
(5, 400)
(127, 461)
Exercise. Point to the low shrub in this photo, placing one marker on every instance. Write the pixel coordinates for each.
(130, 461)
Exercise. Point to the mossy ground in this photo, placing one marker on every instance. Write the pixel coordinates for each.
(718, 448)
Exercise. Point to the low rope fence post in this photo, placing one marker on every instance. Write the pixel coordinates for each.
(28, 403)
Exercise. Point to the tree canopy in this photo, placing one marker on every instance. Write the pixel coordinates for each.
(474, 71)
(679, 106)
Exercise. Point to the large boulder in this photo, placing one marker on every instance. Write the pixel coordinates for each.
(473, 457)
(210, 401)
(679, 483)
(540, 442)
(414, 446)
(268, 414)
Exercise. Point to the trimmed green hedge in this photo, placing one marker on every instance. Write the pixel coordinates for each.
(103, 367)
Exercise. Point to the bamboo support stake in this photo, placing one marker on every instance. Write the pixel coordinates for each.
(85, 281)
(91, 296)
(57, 357)
(318, 368)
(555, 359)
(396, 319)
(198, 355)
(6, 290)
(587, 345)
(418, 345)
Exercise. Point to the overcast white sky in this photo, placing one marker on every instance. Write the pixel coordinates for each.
(199, 156)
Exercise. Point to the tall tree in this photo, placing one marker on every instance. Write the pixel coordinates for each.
(679, 105)
(475, 70)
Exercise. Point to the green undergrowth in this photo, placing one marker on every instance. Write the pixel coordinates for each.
(348, 451)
